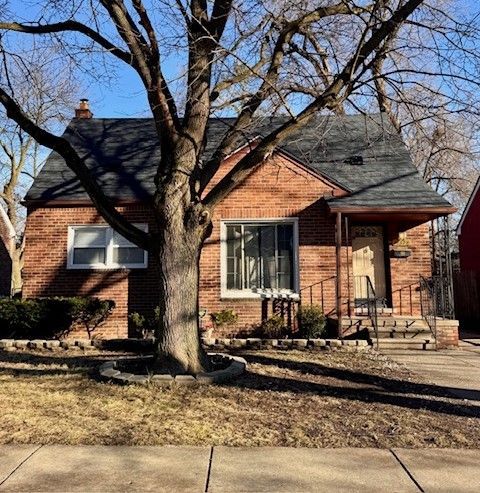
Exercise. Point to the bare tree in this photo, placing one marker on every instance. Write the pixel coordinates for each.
(299, 57)
(47, 100)
(439, 128)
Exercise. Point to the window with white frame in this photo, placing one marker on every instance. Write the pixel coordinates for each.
(101, 247)
(259, 255)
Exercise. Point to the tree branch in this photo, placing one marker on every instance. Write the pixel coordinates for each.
(328, 100)
(77, 165)
(72, 26)
(147, 63)
(268, 83)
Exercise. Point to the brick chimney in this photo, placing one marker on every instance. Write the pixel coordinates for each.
(83, 110)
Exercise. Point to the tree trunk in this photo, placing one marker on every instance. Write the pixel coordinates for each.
(17, 265)
(178, 348)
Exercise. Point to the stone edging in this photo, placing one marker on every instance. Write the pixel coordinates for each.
(78, 344)
(257, 343)
(109, 371)
(218, 344)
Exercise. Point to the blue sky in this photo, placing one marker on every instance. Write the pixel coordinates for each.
(123, 97)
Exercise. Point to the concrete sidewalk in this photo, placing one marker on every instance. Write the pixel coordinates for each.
(456, 370)
(224, 469)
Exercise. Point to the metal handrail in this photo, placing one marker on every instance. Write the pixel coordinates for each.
(371, 302)
(428, 304)
(309, 289)
(372, 307)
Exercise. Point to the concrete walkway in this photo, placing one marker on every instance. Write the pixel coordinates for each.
(456, 370)
(223, 469)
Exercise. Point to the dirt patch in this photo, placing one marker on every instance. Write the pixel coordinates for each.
(291, 398)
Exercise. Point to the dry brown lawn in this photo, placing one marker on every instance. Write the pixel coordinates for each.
(292, 398)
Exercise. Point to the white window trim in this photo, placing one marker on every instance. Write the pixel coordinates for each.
(245, 293)
(108, 265)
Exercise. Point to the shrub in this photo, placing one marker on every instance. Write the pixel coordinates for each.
(21, 318)
(137, 322)
(224, 318)
(311, 321)
(142, 325)
(91, 312)
(50, 317)
(272, 328)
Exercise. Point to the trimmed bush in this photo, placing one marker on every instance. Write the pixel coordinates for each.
(311, 321)
(224, 318)
(90, 312)
(272, 328)
(50, 318)
(143, 325)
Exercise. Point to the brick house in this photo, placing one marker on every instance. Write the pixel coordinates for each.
(7, 244)
(338, 202)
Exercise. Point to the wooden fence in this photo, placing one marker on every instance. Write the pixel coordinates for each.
(466, 286)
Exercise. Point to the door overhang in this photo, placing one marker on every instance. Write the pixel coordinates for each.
(409, 217)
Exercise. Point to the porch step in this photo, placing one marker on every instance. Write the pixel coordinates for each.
(398, 322)
(408, 344)
(401, 332)
(380, 311)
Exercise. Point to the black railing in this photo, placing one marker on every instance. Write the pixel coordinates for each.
(443, 296)
(428, 305)
(436, 300)
(405, 297)
(365, 297)
(310, 296)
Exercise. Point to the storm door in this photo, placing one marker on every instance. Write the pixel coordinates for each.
(368, 260)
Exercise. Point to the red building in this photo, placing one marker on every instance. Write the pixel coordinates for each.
(467, 281)
(469, 233)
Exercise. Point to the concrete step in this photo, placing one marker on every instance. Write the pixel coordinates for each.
(410, 322)
(401, 333)
(383, 311)
(405, 344)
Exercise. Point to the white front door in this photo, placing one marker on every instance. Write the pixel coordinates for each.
(368, 260)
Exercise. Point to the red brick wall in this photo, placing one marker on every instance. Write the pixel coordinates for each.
(45, 272)
(405, 272)
(447, 334)
(278, 189)
(6, 246)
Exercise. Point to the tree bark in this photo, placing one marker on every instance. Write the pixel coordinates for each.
(178, 348)
(17, 265)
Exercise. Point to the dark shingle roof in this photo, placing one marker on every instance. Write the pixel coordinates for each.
(122, 154)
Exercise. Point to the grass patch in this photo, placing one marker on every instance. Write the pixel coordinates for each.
(291, 398)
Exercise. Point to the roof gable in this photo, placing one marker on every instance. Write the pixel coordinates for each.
(474, 195)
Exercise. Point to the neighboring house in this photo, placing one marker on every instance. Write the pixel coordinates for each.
(468, 232)
(467, 281)
(339, 201)
(7, 245)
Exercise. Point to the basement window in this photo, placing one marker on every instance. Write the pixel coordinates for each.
(101, 247)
